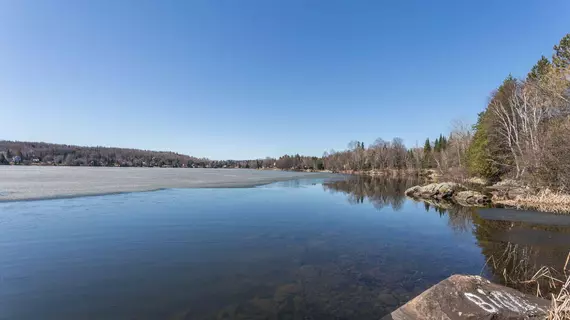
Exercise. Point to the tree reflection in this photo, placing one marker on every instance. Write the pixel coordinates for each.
(380, 191)
(516, 253)
(459, 218)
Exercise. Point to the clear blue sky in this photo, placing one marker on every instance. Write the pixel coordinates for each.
(247, 79)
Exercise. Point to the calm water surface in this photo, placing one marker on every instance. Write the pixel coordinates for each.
(346, 249)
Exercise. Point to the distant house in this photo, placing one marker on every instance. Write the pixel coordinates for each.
(17, 159)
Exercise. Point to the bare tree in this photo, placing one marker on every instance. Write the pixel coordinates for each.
(522, 117)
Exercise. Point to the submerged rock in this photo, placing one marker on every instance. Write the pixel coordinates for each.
(387, 299)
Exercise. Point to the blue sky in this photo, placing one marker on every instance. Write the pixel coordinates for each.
(248, 79)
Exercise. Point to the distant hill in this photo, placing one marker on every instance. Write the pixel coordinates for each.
(42, 153)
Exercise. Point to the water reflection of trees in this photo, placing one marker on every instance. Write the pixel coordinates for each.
(389, 191)
(459, 218)
(514, 251)
(380, 191)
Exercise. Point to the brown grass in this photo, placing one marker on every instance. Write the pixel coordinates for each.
(545, 281)
(545, 200)
(560, 302)
(516, 271)
(560, 305)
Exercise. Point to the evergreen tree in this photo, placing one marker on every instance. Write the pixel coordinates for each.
(427, 154)
(479, 158)
(561, 56)
(540, 69)
(443, 142)
(427, 147)
(2, 159)
(439, 143)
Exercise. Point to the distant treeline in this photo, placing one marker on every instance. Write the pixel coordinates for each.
(41, 153)
(380, 155)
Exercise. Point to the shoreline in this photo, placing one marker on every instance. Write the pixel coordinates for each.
(44, 183)
(507, 194)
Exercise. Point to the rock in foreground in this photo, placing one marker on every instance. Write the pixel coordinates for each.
(470, 297)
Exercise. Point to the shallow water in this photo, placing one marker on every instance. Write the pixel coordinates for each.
(305, 249)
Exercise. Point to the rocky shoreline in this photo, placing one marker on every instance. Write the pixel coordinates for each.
(449, 192)
(507, 193)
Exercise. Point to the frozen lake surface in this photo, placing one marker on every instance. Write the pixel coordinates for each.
(35, 182)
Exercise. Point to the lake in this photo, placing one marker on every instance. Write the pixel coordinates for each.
(347, 248)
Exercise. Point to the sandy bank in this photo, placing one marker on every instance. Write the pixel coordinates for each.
(35, 182)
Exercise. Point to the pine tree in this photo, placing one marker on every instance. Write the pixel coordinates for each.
(442, 142)
(427, 147)
(541, 68)
(479, 158)
(561, 58)
(427, 154)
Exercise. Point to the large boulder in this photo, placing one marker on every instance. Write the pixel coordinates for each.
(438, 191)
(448, 192)
(470, 297)
(413, 191)
(471, 198)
